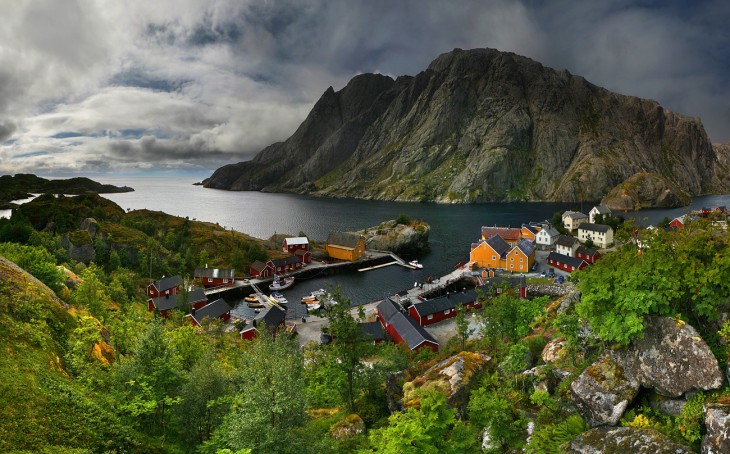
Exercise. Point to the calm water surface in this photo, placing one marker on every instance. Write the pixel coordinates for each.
(453, 227)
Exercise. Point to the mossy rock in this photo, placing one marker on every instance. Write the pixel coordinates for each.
(350, 426)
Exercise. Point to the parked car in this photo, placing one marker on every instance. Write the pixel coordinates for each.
(551, 273)
(542, 274)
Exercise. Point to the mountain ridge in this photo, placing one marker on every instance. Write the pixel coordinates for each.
(483, 126)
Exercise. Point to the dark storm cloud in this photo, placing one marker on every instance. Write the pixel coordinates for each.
(189, 83)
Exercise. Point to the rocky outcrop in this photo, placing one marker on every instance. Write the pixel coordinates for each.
(603, 391)
(79, 245)
(717, 421)
(672, 359)
(91, 226)
(625, 439)
(554, 350)
(350, 426)
(482, 125)
(397, 237)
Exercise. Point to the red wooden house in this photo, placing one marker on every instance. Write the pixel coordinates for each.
(587, 254)
(165, 286)
(217, 309)
(679, 222)
(304, 256)
(402, 329)
(441, 308)
(273, 318)
(565, 263)
(292, 245)
(164, 304)
(214, 277)
(262, 270)
(281, 266)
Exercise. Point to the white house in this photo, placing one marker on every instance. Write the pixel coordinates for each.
(547, 237)
(601, 235)
(572, 219)
(566, 245)
(596, 210)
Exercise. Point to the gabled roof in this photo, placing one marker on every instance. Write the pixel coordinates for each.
(167, 302)
(344, 239)
(574, 215)
(595, 227)
(373, 331)
(531, 228)
(507, 233)
(387, 308)
(296, 240)
(259, 266)
(292, 259)
(167, 283)
(527, 247)
(601, 209)
(442, 303)
(586, 251)
(570, 261)
(551, 232)
(499, 245)
(271, 317)
(215, 273)
(566, 240)
(212, 310)
(411, 332)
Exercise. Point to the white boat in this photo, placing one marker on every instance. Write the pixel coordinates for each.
(278, 298)
(415, 264)
(314, 297)
(281, 284)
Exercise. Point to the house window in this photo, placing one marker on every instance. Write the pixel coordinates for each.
(447, 311)
(494, 257)
(511, 259)
(520, 259)
(511, 265)
(225, 281)
(430, 317)
(210, 280)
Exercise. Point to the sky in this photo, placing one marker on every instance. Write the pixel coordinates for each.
(137, 87)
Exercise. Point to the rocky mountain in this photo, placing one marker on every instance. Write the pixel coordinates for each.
(482, 125)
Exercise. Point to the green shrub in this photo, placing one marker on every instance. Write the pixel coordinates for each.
(402, 219)
(555, 438)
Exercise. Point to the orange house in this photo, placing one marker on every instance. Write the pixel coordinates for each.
(529, 231)
(521, 258)
(345, 246)
(490, 253)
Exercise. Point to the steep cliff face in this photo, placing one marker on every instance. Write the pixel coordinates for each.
(483, 125)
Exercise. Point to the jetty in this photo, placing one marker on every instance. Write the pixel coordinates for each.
(396, 261)
(416, 292)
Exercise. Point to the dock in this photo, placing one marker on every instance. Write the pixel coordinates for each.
(378, 266)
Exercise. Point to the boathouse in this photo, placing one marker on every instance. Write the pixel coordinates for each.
(214, 277)
(281, 266)
(345, 246)
(386, 309)
(165, 286)
(292, 245)
(565, 263)
(273, 317)
(164, 304)
(405, 330)
(217, 309)
(304, 256)
(262, 270)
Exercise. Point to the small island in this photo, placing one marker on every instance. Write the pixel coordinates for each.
(22, 186)
(397, 235)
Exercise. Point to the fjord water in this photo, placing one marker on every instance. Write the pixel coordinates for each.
(453, 227)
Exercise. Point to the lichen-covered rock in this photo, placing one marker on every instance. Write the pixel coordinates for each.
(453, 377)
(553, 350)
(671, 358)
(606, 440)
(91, 226)
(603, 391)
(79, 245)
(717, 421)
(671, 407)
(395, 237)
(349, 427)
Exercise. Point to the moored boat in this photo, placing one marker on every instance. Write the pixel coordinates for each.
(278, 298)
(281, 284)
(252, 298)
(415, 264)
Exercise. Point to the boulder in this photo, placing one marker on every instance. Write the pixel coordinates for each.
(91, 226)
(672, 359)
(349, 427)
(671, 407)
(717, 421)
(395, 237)
(603, 391)
(79, 245)
(625, 439)
(553, 350)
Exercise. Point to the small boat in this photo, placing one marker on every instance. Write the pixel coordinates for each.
(415, 264)
(256, 304)
(281, 284)
(278, 298)
(252, 298)
(309, 300)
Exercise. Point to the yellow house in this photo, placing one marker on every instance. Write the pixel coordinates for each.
(521, 258)
(345, 246)
(490, 253)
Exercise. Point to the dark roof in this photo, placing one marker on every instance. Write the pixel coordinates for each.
(506, 281)
(442, 303)
(167, 283)
(216, 273)
(259, 266)
(373, 330)
(595, 227)
(167, 302)
(601, 209)
(527, 247)
(566, 240)
(586, 251)
(213, 310)
(574, 215)
(271, 317)
(292, 259)
(343, 239)
(551, 231)
(411, 332)
(499, 245)
(570, 261)
(531, 228)
(387, 308)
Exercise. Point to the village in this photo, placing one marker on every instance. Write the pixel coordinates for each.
(502, 260)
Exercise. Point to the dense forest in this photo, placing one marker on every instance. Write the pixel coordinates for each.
(87, 368)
